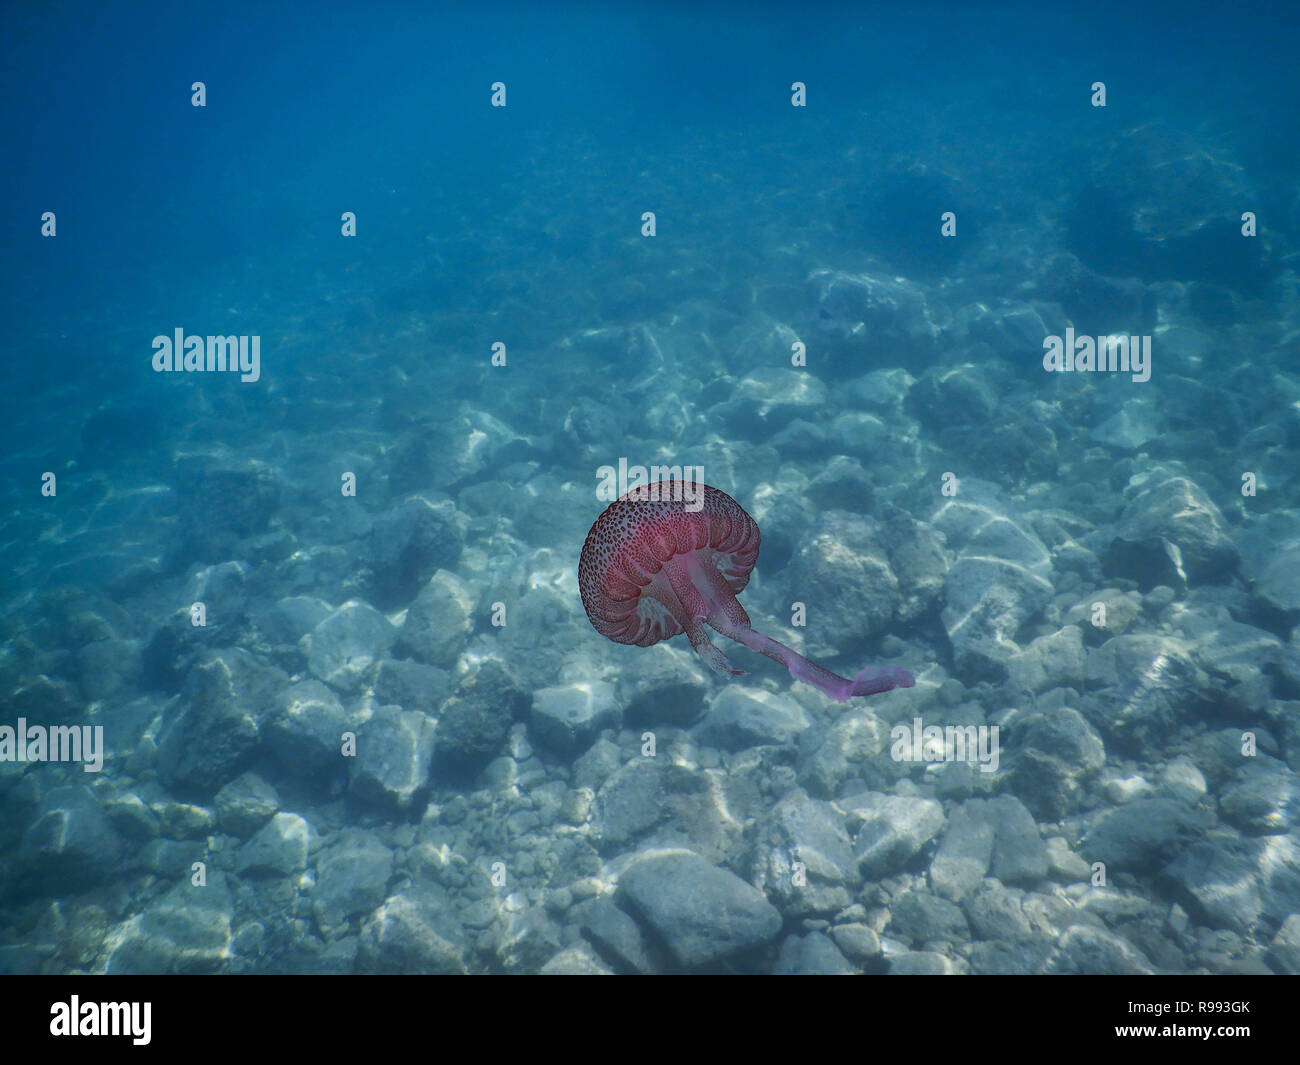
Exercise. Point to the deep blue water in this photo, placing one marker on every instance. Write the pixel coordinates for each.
(395, 713)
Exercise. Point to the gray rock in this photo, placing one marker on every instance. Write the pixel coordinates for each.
(108, 667)
(703, 914)
(1054, 661)
(1277, 584)
(245, 805)
(352, 875)
(411, 685)
(809, 833)
(575, 961)
(1001, 958)
(1141, 835)
(919, 917)
(995, 912)
(475, 722)
(208, 737)
(292, 618)
(857, 942)
(408, 545)
(856, 312)
(844, 571)
(394, 753)
(893, 830)
(1134, 424)
(766, 400)
(811, 954)
(70, 844)
(187, 930)
(345, 647)
(966, 851)
(1284, 951)
(413, 932)
(569, 718)
(306, 732)
(438, 623)
(1087, 950)
(920, 963)
(1175, 511)
(629, 804)
(668, 687)
(1019, 853)
(1148, 686)
(614, 934)
(741, 718)
(280, 848)
(1263, 800)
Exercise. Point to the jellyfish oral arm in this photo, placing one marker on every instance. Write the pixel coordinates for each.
(729, 618)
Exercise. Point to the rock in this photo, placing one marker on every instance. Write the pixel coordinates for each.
(1137, 422)
(614, 934)
(1263, 800)
(1002, 958)
(1019, 853)
(810, 834)
(825, 754)
(629, 804)
(1148, 685)
(919, 917)
(107, 668)
(1277, 585)
(844, 572)
(740, 718)
(1284, 951)
(438, 623)
(351, 877)
(569, 718)
(575, 961)
(841, 483)
(766, 400)
(811, 954)
(292, 618)
(408, 545)
(394, 752)
(857, 313)
(703, 914)
(69, 845)
(1087, 950)
(920, 963)
(306, 732)
(669, 687)
(411, 685)
(1055, 661)
(1141, 835)
(1175, 511)
(187, 930)
(995, 912)
(206, 740)
(857, 942)
(475, 722)
(345, 647)
(412, 932)
(966, 851)
(1181, 780)
(245, 805)
(280, 848)
(893, 830)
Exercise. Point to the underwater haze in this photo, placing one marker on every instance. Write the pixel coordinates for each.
(332, 332)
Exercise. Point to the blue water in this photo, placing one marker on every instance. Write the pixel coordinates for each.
(325, 614)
